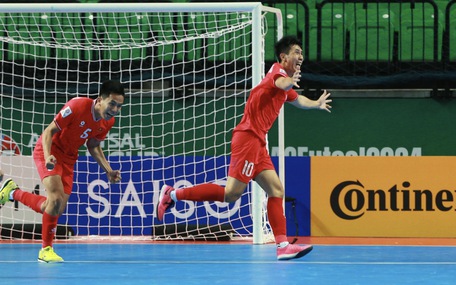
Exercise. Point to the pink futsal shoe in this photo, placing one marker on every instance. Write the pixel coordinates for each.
(293, 251)
(164, 201)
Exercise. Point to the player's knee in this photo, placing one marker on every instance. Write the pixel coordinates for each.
(277, 191)
(55, 205)
(232, 196)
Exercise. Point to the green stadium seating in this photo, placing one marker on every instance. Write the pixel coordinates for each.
(162, 31)
(192, 49)
(204, 44)
(72, 32)
(334, 23)
(231, 46)
(122, 30)
(27, 30)
(451, 33)
(441, 4)
(270, 38)
(372, 35)
(416, 34)
(293, 15)
(3, 33)
(452, 39)
(202, 47)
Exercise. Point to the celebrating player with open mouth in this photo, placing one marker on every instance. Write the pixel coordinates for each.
(249, 155)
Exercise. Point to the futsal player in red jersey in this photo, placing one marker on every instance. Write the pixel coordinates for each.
(249, 155)
(81, 121)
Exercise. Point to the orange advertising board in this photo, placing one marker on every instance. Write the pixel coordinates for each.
(383, 196)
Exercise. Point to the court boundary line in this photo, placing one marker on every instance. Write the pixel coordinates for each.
(238, 262)
(371, 241)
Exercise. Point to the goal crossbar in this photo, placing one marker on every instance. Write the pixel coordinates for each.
(128, 7)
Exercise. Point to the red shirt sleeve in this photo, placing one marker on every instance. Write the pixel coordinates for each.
(64, 118)
(292, 95)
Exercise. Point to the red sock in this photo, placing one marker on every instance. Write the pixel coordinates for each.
(202, 192)
(48, 229)
(277, 219)
(33, 201)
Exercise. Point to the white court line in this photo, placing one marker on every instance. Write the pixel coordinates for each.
(237, 262)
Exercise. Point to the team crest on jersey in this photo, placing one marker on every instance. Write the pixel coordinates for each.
(66, 112)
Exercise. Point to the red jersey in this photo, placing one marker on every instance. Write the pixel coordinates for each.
(77, 123)
(264, 104)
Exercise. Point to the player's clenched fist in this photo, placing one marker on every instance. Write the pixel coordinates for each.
(114, 176)
(50, 162)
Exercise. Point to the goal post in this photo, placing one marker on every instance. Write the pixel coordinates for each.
(188, 69)
(258, 214)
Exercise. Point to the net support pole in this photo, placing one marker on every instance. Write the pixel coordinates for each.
(258, 72)
(281, 118)
(281, 124)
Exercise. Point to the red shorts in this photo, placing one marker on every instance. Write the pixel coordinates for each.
(64, 170)
(249, 157)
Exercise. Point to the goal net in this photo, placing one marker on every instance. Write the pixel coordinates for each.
(187, 69)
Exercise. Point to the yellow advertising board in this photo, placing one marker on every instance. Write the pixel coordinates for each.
(383, 196)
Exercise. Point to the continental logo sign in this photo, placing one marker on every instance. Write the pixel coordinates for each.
(383, 196)
(350, 200)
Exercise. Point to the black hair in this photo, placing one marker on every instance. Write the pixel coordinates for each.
(284, 45)
(110, 86)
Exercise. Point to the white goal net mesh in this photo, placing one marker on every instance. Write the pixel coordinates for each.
(187, 74)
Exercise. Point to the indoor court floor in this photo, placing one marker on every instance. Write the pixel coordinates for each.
(340, 261)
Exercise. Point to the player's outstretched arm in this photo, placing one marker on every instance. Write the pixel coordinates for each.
(321, 103)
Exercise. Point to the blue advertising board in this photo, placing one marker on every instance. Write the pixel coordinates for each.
(128, 208)
(297, 194)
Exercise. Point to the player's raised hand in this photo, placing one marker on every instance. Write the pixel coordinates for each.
(114, 176)
(324, 101)
(297, 76)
